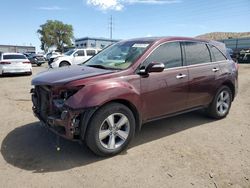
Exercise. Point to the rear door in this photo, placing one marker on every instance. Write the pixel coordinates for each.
(201, 72)
(165, 92)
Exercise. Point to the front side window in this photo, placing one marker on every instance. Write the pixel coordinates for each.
(169, 54)
(120, 55)
(217, 55)
(80, 53)
(196, 53)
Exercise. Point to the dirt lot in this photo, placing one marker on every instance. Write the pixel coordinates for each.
(185, 151)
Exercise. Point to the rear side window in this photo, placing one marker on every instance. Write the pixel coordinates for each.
(217, 55)
(169, 54)
(196, 53)
(90, 52)
(14, 56)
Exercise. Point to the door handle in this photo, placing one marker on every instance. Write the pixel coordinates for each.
(215, 69)
(180, 76)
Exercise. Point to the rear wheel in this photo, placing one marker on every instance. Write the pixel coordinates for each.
(64, 64)
(220, 106)
(110, 130)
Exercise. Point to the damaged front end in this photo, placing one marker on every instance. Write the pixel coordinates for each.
(48, 106)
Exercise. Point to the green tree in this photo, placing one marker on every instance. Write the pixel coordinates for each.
(55, 33)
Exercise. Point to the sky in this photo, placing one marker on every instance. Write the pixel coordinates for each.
(20, 20)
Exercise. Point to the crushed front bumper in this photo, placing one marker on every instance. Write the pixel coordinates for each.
(54, 115)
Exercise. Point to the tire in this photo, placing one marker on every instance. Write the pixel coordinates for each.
(221, 104)
(64, 64)
(105, 138)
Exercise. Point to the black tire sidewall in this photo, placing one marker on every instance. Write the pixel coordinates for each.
(92, 134)
(213, 109)
(64, 64)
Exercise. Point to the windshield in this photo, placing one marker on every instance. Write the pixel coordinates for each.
(119, 56)
(70, 52)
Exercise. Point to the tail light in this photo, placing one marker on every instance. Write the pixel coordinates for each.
(26, 62)
(5, 63)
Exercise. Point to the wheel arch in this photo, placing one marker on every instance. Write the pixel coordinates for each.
(64, 61)
(88, 115)
(231, 87)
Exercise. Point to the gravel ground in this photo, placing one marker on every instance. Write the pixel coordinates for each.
(189, 150)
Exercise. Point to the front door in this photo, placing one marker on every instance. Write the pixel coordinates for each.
(165, 92)
(79, 57)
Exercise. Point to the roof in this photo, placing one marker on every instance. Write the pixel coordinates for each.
(18, 46)
(166, 38)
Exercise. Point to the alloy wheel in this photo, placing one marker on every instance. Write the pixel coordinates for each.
(223, 102)
(114, 131)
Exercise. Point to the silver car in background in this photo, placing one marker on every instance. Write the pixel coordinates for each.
(14, 63)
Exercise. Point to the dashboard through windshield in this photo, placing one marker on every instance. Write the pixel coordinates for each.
(119, 56)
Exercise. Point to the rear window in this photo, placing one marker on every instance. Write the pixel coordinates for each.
(14, 56)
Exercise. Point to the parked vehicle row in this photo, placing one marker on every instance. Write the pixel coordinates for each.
(105, 100)
(72, 57)
(14, 63)
(244, 57)
(36, 59)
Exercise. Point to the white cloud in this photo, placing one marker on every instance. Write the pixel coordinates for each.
(119, 4)
(154, 1)
(51, 8)
(106, 4)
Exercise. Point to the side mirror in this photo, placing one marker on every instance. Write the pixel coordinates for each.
(76, 54)
(153, 67)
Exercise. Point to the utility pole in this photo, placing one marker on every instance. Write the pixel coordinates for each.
(111, 27)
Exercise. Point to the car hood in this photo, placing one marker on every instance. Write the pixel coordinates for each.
(64, 75)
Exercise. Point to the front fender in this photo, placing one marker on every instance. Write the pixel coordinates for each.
(103, 92)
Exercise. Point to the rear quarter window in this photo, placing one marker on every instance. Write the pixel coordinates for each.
(216, 54)
(12, 56)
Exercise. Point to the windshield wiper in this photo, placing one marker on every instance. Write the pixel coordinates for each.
(97, 66)
(103, 67)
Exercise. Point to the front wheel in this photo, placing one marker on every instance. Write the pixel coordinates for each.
(220, 106)
(110, 130)
(64, 64)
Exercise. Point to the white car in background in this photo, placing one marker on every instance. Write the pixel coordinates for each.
(51, 54)
(14, 63)
(73, 57)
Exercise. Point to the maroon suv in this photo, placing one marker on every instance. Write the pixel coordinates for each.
(105, 100)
